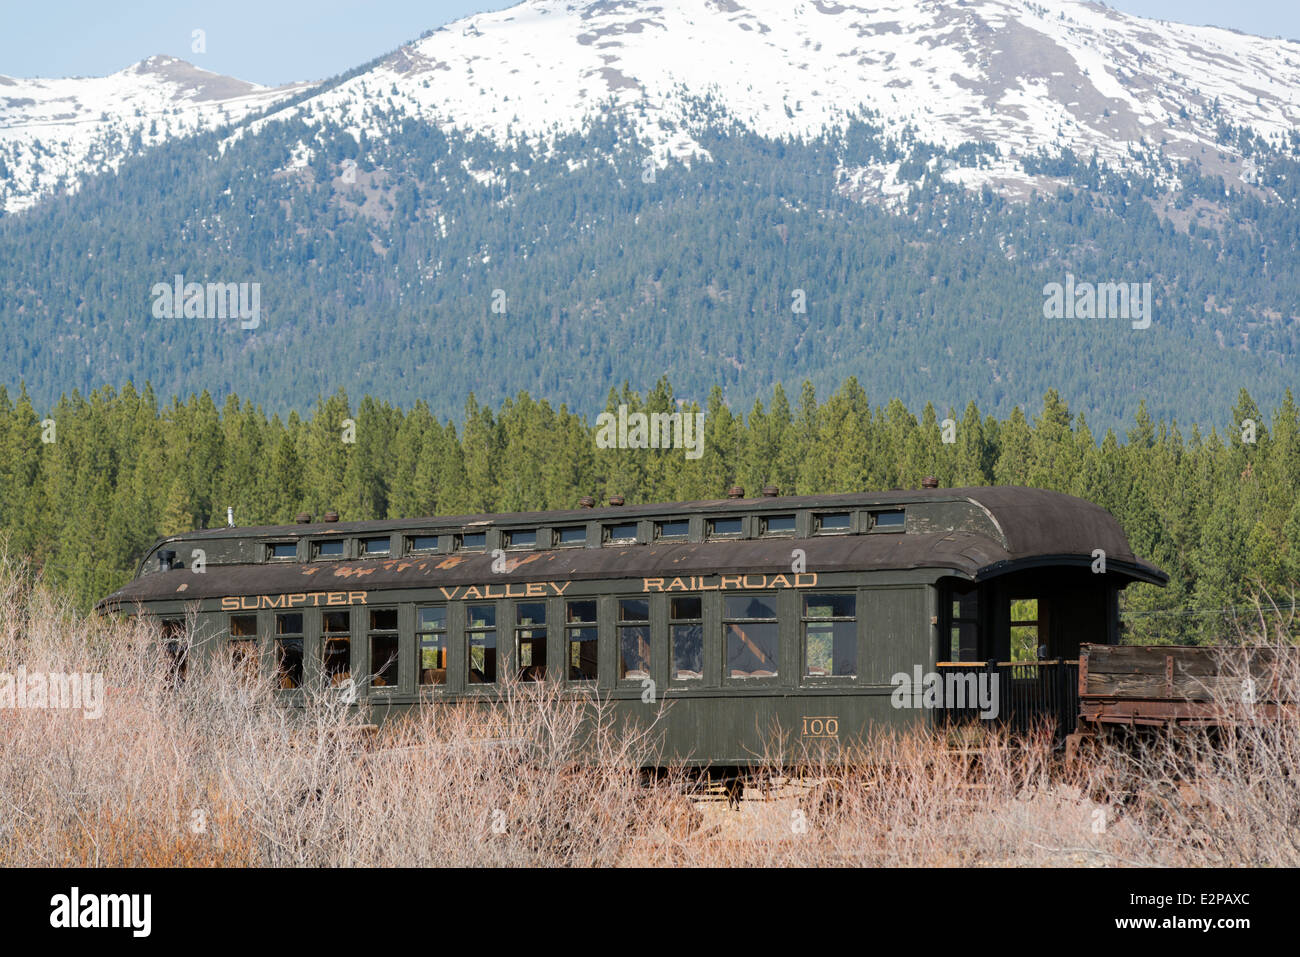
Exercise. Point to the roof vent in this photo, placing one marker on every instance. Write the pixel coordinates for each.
(303, 518)
(330, 517)
(616, 500)
(771, 491)
(587, 501)
(929, 482)
(735, 492)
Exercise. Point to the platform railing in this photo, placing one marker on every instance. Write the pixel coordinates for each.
(1025, 693)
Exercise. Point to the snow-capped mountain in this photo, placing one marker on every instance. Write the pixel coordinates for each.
(1024, 76)
(51, 131)
(384, 213)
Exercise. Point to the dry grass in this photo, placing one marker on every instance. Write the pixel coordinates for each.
(219, 774)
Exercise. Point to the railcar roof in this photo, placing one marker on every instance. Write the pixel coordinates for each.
(1025, 513)
(1026, 527)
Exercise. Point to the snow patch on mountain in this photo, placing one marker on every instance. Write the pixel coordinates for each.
(52, 131)
(1025, 76)
(1019, 76)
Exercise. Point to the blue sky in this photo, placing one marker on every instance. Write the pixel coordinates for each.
(281, 40)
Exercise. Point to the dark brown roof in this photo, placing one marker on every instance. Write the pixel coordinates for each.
(1037, 528)
(1020, 507)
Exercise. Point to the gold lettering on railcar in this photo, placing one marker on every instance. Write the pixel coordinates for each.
(821, 726)
(730, 582)
(317, 599)
(311, 599)
(512, 590)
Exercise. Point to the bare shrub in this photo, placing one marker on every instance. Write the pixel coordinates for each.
(1227, 794)
(219, 772)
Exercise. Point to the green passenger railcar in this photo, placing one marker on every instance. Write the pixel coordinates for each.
(750, 619)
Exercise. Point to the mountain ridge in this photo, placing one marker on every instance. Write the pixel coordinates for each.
(53, 131)
(1024, 77)
(401, 254)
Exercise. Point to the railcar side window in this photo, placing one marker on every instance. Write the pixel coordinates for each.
(481, 632)
(521, 538)
(243, 643)
(288, 650)
(243, 657)
(530, 640)
(964, 623)
(751, 632)
(686, 628)
(472, 540)
(1025, 630)
(431, 628)
(282, 551)
(384, 670)
(678, 528)
(832, 523)
(778, 525)
(424, 543)
(725, 527)
(336, 647)
(830, 636)
(330, 549)
(575, 535)
(376, 547)
(176, 647)
(633, 639)
(580, 634)
(889, 520)
(621, 534)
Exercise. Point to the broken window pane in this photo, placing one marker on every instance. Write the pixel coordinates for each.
(830, 636)
(686, 628)
(751, 636)
(633, 639)
(175, 644)
(384, 664)
(530, 641)
(581, 634)
(336, 651)
(482, 636)
(288, 650)
(431, 628)
(243, 656)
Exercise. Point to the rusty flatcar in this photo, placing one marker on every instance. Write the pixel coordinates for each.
(745, 616)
